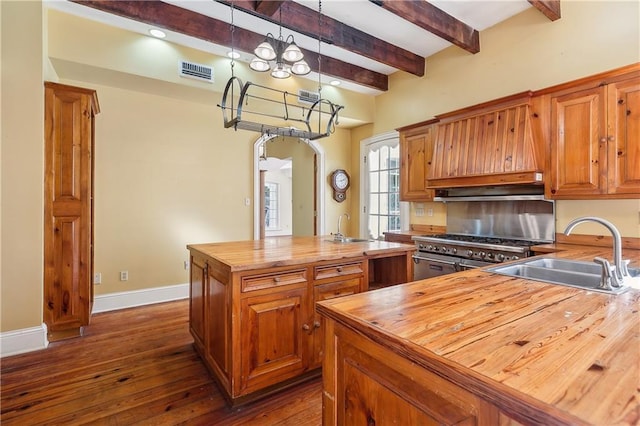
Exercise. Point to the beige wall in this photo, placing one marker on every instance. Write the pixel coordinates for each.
(22, 167)
(526, 52)
(168, 174)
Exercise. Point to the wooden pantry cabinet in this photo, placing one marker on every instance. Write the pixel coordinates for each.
(416, 150)
(595, 137)
(68, 208)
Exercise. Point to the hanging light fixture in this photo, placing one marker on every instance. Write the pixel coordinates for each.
(288, 57)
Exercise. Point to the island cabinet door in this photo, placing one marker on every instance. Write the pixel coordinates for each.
(325, 292)
(196, 301)
(371, 384)
(275, 334)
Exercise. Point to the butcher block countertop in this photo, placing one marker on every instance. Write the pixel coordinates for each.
(543, 353)
(287, 251)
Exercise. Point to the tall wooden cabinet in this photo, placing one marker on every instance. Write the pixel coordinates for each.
(416, 149)
(68, 208)
(595, 139)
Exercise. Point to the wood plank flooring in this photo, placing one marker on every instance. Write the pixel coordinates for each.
(135, 366)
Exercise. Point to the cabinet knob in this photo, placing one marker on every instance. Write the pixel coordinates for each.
(306, 327)
(316, 324)
(339, 269)
(276, 279)
(611, 138)
(603, 139)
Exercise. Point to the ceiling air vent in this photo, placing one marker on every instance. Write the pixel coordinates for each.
(307, 97)
(196, 71)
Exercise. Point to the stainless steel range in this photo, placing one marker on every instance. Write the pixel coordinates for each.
(482, 231)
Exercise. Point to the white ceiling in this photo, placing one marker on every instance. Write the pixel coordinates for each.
(361, 14)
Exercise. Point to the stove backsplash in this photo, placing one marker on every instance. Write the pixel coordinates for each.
(531, 220)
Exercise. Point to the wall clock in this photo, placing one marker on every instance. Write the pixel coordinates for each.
(340, 182)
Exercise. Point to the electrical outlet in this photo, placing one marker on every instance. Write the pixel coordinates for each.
(419, 212)
(124, 275)
(429, 212)
(186, 265)
(97, 278)
(247, 201)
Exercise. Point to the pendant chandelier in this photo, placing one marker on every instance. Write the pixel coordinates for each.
(285, 52)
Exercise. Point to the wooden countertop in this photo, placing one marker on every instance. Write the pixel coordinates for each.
(285, 251)
(548, 353)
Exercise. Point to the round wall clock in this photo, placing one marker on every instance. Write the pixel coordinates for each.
(340, 182)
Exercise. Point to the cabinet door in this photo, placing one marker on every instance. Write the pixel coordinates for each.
(624, 137)
(274, 338)
(325, 292)
(374, 385)
(196, 300)
(416, 149)
(578, 144)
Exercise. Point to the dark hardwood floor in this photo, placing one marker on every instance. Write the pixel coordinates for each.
(136, 366)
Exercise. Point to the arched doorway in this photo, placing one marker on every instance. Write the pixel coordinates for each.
(258, 185)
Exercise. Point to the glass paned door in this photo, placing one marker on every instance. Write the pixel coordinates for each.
(381, 168)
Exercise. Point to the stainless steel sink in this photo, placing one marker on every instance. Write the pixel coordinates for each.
(348, 240)
(572, 273)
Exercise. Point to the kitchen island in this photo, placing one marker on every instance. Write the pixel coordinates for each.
(481, 348)
(252, 311)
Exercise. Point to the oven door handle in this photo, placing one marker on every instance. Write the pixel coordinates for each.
(417, 259)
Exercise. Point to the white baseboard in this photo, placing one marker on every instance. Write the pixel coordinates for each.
(147, 296)
(25, 340)
(35, 338)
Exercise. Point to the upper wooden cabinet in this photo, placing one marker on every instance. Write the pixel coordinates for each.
(487, 144)
(416, 149)
(68, 208)
(595, 138)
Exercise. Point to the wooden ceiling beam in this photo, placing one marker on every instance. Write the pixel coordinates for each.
(304, 20)
(434, 20)
(550, 8)
(170, 17)
(267, 7)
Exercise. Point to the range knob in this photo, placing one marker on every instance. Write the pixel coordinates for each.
(481, 254)
(515, 257)
(469, 253)
(443, 249)
(454, 250)
(489, 256)
(430, 248)
(500, 257)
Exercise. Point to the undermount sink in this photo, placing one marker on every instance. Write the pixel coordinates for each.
(572, 273)
(349, 240)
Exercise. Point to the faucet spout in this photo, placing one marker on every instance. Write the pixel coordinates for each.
(339, 234)
(620, 266)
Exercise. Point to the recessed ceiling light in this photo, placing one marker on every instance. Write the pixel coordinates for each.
(233, 54)
(335, 83)
(157, 33)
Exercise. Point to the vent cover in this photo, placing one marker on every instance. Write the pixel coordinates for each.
(196, 71)
(307, 97)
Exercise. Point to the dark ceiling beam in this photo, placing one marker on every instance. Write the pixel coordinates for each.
(170, 17)
(304, 20)
(267, 7)
(434, 20)
(550, 8)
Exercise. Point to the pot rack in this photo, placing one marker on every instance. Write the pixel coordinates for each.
(255, 100)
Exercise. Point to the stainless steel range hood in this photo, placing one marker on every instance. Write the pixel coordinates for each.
(491, 193)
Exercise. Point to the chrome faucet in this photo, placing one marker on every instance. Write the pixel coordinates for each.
(339, 235)
(617, 272)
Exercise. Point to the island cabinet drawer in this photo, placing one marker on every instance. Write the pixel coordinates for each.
(276, 279)
(337, 270)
